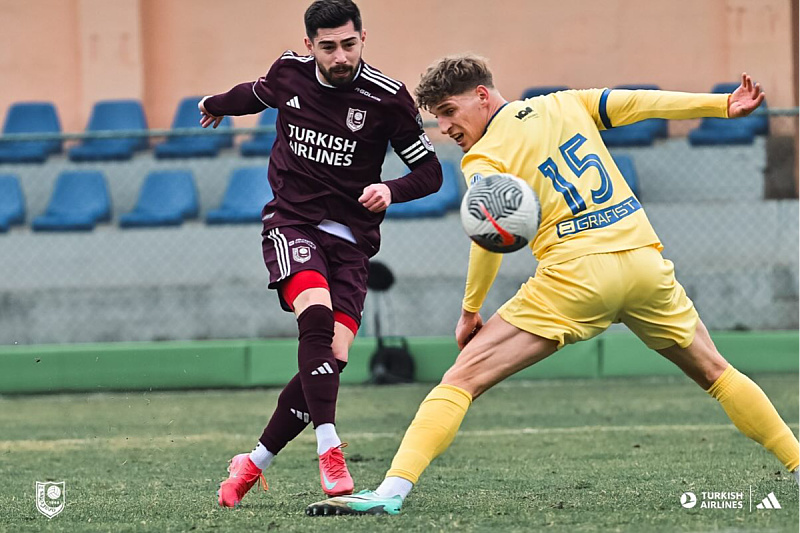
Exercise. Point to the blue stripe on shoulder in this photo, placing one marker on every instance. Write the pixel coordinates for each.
(603, 111)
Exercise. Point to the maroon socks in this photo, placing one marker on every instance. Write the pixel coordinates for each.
(311, 394)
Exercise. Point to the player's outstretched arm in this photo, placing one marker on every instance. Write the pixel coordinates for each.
(620, 107)
(241, 100)
(745, 99)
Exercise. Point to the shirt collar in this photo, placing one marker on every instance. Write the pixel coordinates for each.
(491, 119)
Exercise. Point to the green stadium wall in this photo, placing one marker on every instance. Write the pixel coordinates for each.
(265, 363)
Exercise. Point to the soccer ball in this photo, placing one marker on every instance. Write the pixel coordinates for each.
(500, 213)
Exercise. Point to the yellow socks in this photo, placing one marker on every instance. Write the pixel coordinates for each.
(439, 416)
(431, 432)
(753, 414)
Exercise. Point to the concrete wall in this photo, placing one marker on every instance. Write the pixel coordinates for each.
(74, 52)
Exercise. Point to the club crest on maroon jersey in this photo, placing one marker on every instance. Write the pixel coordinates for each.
(355, 119)
(301, 254)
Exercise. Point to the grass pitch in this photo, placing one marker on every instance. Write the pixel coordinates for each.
(571, 455)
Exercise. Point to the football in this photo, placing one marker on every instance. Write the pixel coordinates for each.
(500, 213)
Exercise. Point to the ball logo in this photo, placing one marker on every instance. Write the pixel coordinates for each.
(50, 498)
(688, 500)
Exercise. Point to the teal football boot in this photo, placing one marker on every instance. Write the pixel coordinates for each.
(365, 502)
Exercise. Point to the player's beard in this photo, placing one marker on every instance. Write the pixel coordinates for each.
(338, 81)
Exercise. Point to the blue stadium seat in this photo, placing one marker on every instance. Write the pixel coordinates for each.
(247, 192)
(30, 117)
(720, 131)
(182, 146)
(80, 200)
(530, 92)
(12, 202)
(711, 134)
(628, 170)
(112, 115)
(261, 144)
(638, 134)
(167, 198)
(437, 204)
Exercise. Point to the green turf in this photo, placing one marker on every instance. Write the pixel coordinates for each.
(567, 455)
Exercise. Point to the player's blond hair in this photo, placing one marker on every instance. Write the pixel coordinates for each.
(451, 76)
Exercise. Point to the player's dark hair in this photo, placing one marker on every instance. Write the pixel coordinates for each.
(451, 76)
(331, 14)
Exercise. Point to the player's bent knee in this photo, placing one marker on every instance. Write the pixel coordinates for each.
(469, 377)
(340, 351)
(714, 370)
(343, 337)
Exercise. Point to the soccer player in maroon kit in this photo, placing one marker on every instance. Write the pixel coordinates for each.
(336, 116)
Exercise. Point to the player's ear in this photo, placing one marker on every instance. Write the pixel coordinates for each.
(363, 36)
(483, 93)
(309, 44)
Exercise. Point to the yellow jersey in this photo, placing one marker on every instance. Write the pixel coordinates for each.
(553, 143)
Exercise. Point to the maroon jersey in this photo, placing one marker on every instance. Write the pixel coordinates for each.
(331, 143)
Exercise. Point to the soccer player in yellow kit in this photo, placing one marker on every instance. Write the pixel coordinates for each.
(599, 259)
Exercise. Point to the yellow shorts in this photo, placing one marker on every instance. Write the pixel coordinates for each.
(578, 299)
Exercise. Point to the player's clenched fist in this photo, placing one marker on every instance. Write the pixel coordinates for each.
(376, 197)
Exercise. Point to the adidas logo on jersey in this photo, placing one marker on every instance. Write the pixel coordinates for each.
(770, 502)
(325, 368)
(294, 102)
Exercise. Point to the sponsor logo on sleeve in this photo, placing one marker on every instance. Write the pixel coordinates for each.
(526, 113)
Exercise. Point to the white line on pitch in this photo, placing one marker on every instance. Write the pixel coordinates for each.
(166, 441)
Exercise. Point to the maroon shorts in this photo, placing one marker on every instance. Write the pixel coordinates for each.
(291, 249)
